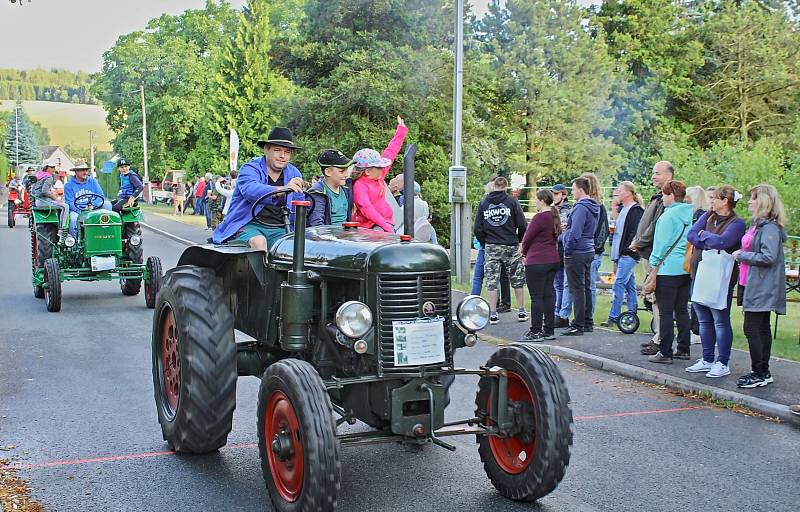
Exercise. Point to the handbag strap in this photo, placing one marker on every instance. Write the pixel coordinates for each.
(670, 249)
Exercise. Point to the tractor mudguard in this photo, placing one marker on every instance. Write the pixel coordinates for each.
(45, 214)
(132, 215)
(218, 257)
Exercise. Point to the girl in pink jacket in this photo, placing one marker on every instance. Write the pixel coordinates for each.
(369, 186)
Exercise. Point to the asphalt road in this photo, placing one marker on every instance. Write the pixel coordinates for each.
(76, 400)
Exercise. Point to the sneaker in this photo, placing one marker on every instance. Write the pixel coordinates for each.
(548, 337)
(719, 370)
(650, 350)
(522, 316)
(751, 380)
(531, 336)
(648, 344)
(504, 308)
(700, 366)
(573, 331)
(494, 319)
(588, 328)
(659, 358)
(795, 409)
(561, 322)
(611, 322)
(680, 354)
(768, 378)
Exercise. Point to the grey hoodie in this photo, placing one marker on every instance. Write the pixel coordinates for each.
(766, 277)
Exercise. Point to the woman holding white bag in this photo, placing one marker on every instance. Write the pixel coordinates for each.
(717, 231)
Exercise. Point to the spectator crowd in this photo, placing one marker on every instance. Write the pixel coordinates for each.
(697, 253)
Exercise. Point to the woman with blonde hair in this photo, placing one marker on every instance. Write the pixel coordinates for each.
(600, 234)
(697, 197)
(763, 274)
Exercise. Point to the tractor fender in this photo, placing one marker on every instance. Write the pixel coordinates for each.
(222, 257)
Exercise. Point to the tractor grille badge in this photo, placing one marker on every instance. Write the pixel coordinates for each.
(429, 309)
(104, 219)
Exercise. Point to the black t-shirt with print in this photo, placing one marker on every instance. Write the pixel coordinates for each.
(272, 213)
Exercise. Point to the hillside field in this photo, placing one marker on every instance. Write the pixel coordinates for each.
(68, 123)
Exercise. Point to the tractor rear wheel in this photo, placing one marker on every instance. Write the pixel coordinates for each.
(194, 361)
(153, 283)
(52, 292)
(46, 239)
(297, 438)
(11, 219)
(135, 253)
(38, 291)
(530, 461)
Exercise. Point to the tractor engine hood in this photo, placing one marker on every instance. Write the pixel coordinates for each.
(362, 250)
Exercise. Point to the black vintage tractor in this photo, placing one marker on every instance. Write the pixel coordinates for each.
(345, 324)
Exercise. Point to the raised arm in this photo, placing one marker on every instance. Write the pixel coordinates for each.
(395, 145)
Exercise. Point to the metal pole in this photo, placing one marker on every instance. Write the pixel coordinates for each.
(91, 153)
(16, 133)
(461, 230)
(146, 177)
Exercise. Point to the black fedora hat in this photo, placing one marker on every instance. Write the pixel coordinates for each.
(279, 136)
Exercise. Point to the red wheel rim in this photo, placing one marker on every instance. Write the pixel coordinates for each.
(170, 362)
(281, 426)
(511, 454)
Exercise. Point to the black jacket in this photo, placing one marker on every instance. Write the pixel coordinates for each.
(601, 232)
(629, 231)
(499, 220)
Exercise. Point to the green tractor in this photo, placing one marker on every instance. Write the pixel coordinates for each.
(342, 324)
(108, 246)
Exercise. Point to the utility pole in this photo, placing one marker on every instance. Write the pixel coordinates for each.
(91, 153)
(461, 226)
(16, 133)
(146, 178)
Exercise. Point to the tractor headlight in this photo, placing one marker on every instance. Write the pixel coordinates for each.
(473, 313)
(17, 201)
(69, 241)
(135, 240)
(354, 319)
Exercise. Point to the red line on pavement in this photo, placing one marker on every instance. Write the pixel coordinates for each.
(146, 455)
(636, 413)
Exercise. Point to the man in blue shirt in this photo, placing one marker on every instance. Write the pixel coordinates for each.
(130, 186)
(82, 184)
(258, 177)
(333, 198)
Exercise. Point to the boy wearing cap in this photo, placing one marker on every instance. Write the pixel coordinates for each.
(333, 199)
(130, 186)
(258, 177)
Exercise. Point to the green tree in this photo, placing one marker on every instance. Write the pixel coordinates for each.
(249, 94)
(21, 145)
(748, 87)
(556, 79)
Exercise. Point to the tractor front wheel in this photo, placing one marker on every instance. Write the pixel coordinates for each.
(153, 282)
(52, 290)
(11, 219)
(297, 438)
(530, 460)
(136, 254)
(194, 361)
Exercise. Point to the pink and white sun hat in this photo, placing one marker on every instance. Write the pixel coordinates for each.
(365, 158)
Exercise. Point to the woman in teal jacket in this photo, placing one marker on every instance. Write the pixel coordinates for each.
(672, 282)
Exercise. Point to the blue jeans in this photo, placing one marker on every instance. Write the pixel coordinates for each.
(715, 329)
(624, 287)
(477, 278)
(199, 207)
(73, 218)
(558, 288)
(594, 275)
(565, 311)
(208, 213)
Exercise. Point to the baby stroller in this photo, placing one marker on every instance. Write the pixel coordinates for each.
(628, 322)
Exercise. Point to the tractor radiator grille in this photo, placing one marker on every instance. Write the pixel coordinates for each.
(400, 297)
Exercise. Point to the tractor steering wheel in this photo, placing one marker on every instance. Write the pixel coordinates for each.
(286, 210)
(85, 201)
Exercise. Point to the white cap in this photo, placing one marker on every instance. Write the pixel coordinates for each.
(49, 163)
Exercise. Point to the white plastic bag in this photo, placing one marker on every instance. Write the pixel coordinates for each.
(712, 279)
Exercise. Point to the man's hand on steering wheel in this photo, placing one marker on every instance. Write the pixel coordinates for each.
(296, 184)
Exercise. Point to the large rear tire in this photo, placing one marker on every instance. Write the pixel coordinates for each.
(135, 253)
(297, 438)
(52, 292)
(529, 463)
(38, 290)
(46, 238)
(11, 220)
(194, 361)
(153, 283)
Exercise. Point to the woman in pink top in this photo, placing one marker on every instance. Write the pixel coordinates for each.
(369, 187)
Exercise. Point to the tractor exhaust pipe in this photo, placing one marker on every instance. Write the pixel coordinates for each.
(409, 171)
(296, 292)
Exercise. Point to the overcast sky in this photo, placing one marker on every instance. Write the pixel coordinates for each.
(79, 31)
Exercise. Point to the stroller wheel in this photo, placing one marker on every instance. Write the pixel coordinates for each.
(628, 322)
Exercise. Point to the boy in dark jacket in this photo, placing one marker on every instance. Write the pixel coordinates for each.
(579, 251)
(499, 228)
(333, 198)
